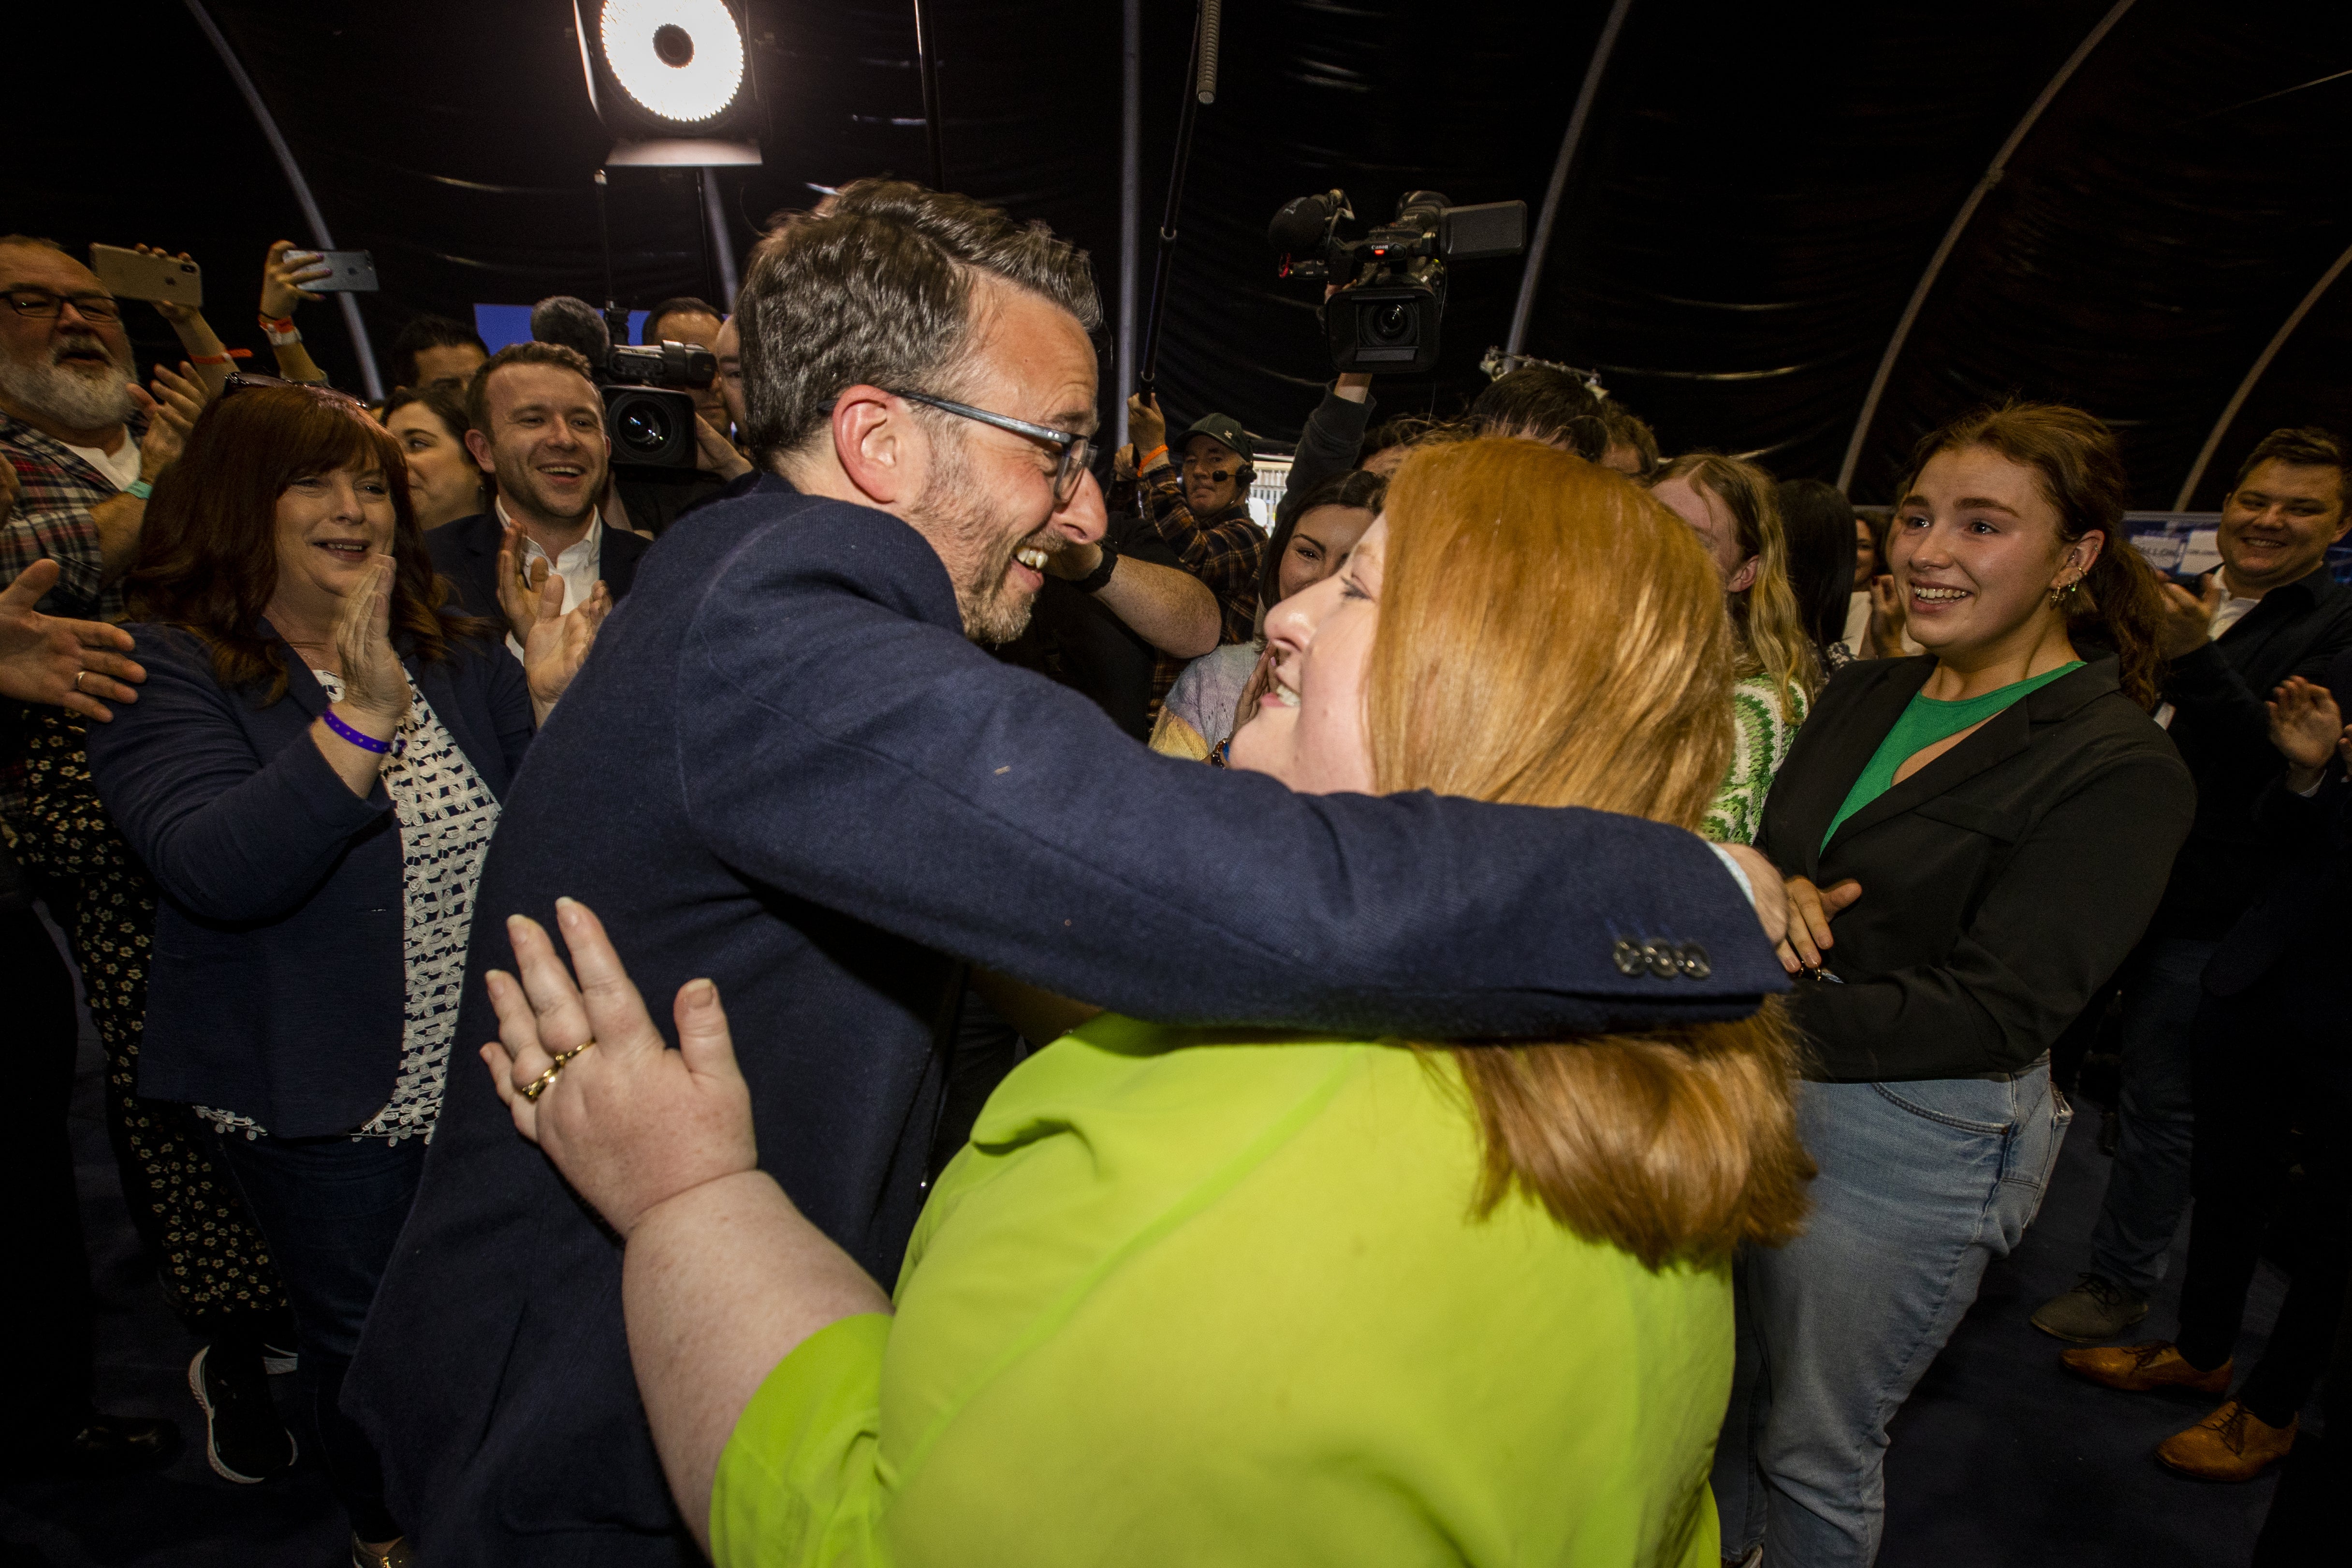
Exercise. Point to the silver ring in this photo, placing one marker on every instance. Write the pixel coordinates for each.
(78, 675)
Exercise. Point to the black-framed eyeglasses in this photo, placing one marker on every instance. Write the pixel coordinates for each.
(1077, 450)
(40, 305)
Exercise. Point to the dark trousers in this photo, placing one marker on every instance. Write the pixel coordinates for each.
(2305, 1525)
(2266, 1064)
(2147, 1188)
(49, 1388)
(332, 1209)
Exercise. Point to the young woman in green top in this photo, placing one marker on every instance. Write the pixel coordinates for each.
(1207, 1296)
(1973, 840)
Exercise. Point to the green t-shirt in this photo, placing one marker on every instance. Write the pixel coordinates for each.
(1924, 723)
(1184, 1300)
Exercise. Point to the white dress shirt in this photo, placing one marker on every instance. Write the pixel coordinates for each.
(577, 565)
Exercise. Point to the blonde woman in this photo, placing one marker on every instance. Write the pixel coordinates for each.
(1730, 505)
(1220, 1295)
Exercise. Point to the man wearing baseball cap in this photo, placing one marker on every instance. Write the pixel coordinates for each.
(1197, 497)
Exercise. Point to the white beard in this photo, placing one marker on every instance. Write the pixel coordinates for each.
(79, 397)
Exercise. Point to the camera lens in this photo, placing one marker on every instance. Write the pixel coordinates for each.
(1391, 323)
(645, 427)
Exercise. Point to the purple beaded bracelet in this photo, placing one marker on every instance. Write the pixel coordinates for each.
(395, 746)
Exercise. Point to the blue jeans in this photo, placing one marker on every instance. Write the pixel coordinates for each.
(332, 1209)
(2148, 1189)
(1921, 1185)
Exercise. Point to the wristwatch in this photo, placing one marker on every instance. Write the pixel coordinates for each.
(1093, 581)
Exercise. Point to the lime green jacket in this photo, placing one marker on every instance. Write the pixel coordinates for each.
(1190, 1299)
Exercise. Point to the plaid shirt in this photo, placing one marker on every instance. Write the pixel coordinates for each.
(55, 491)
(1227, 552)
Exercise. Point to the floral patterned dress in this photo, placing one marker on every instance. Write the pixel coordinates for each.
(212, 1263)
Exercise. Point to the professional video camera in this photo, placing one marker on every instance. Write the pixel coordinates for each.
(1392, 280)
(650, 423)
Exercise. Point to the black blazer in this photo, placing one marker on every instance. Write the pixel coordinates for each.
(466, 553)
(2305, 916)
(2002, 884)
(278, 983)
(2223, 735)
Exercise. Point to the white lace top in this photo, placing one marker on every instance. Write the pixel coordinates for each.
(446, 813)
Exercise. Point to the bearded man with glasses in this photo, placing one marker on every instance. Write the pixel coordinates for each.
(85, 440)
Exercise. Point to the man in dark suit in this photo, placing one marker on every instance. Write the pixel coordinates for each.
(2271, 612)
(810, 786)
(2269, 1063)
(538, 427)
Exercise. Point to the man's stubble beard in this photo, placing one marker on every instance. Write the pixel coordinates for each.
(518, 480)
(77, 398)
(955, 508)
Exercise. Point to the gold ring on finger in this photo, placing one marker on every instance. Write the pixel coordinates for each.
(538, 1085)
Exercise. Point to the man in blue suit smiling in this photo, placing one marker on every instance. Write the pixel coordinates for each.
(787, 767)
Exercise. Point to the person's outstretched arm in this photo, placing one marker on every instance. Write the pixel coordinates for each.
(875, 762)
(722, 1277)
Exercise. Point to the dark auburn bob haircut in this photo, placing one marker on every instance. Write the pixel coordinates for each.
(208, 549)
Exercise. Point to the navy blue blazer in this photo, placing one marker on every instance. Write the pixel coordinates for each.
(279, 984)
(466, 553)
(804, 782)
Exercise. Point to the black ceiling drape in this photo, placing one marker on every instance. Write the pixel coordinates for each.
(1759, 192)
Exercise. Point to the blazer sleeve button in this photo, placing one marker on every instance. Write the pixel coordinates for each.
(1694, 962)
(1629, 957)
(1663, 959)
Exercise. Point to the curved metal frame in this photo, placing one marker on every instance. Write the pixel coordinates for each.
(2254, 373)
(372, 382)
(1992, 176)
(1522, 312)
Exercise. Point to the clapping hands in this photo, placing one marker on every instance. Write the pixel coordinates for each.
(555, 642)
(2306, 726)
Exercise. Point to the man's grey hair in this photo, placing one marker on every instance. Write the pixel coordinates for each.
(876, 288)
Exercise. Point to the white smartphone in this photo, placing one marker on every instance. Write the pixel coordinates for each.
(143, 275)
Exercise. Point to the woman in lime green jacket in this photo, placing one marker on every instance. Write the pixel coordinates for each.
(1192, 1296)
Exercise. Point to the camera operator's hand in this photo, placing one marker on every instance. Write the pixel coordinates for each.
(1122, 464)
(1355, 386)
(713, 453)
(283, 272)
(1148, 427)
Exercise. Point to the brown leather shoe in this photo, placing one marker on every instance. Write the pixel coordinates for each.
(2138, 1368)
(2231, 1444)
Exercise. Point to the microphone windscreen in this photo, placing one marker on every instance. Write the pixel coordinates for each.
(575, 324)
(1299, 227)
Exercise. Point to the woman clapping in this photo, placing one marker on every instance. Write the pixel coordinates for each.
(311, 774)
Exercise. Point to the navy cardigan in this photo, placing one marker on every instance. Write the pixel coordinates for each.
(278, 989)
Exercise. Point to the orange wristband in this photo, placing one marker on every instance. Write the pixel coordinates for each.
(1145, 461)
